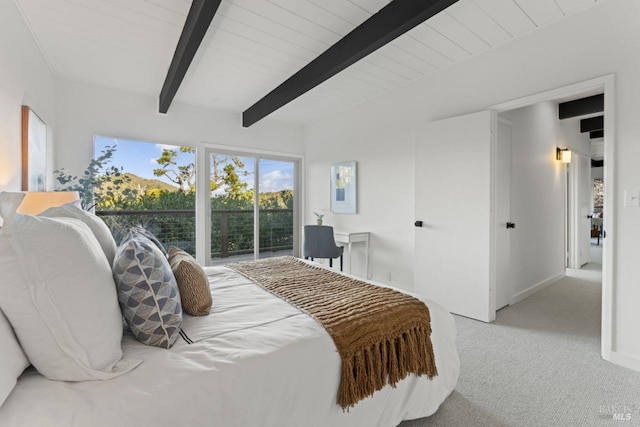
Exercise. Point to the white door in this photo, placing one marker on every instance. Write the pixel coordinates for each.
(584, 196)
(453, 160)
(504, 225)
(580, 188)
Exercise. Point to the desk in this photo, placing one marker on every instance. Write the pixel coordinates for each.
(349, 237)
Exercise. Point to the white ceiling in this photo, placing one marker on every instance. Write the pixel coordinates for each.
(254, 45)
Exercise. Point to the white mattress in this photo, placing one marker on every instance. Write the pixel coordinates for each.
(255, 361)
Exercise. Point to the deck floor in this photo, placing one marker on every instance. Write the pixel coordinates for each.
(250, 257)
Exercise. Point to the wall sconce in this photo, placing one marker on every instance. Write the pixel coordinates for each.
(36, 202)
(563, 154)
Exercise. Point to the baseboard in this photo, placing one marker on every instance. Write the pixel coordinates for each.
(536, 288)
(625, 360)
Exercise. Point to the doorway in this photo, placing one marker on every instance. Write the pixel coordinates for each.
(597, 231)
(599, 85)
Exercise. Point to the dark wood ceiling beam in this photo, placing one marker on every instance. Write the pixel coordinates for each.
(596, 134)
(198, 20)
(391, 21)
(592, 124)
(581, 107)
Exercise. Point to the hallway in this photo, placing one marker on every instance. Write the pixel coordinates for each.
(539, 363)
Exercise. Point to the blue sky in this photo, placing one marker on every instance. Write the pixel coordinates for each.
(139, 158)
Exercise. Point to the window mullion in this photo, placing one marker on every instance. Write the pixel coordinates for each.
(256, 209)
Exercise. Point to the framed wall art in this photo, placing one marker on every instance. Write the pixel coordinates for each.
(344, 187)
(34, 151)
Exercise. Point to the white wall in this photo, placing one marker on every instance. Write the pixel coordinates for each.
(84, 111)
(25, 79)
(601, 40)
(597, 173)
(569, 135)
(597, 149)
(385, 194)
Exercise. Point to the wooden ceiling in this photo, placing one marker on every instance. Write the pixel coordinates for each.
(253, 46)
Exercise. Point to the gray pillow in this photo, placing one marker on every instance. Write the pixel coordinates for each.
(138, 230)
(148, 292)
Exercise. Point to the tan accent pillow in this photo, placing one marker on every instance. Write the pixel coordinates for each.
(195, 293)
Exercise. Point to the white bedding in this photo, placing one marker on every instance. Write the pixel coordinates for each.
(255, 361)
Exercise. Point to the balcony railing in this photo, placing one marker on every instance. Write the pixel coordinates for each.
(231, 230)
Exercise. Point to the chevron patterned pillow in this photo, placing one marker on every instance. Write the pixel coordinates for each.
(148, 292)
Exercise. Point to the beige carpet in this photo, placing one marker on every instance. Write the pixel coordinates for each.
(539, 365)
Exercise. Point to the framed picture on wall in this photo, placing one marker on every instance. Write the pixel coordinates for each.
(344, 187)
(34, 151)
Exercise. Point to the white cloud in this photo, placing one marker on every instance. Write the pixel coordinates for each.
(277, 175)
(275, 181)
(153, 161)
(167, 147)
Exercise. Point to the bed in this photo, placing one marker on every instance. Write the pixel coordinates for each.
(255, 361)
(252, 359)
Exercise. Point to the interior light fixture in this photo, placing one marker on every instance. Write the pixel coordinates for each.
(563, 154)
(36, 202)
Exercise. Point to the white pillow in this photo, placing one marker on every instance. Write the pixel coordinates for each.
(97, 226)
(9, 203)
(59, 295)
(12, 359)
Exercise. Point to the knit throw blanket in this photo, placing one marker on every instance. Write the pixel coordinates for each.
(382, 335)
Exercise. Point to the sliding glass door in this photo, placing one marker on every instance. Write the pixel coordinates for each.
(232, 207)
(276, 183)
(253, 207)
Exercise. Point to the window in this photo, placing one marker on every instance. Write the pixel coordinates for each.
(251, 201)
(148, 184)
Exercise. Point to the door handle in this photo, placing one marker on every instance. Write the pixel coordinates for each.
(418, 223)
(511, 225)
(589, 216)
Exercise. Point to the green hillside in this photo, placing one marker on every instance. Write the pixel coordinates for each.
(148, 184)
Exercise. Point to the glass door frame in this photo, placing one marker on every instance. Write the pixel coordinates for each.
(203, 196)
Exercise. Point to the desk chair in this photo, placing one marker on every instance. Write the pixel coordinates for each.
(319, 243)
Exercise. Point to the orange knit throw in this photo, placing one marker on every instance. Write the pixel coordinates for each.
(382, 335)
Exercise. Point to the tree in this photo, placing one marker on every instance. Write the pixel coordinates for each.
(183, 176)
(282, 199)
(226, 172)
(100, 183)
